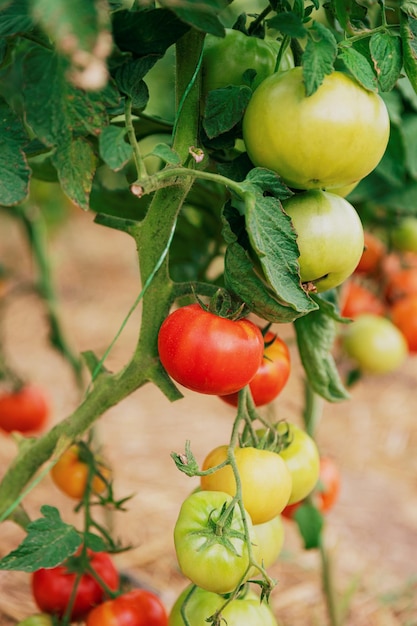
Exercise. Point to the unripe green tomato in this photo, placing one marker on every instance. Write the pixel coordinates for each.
(375, 344)
(404, 235)
(331, 138)
(39, 619)
(269, 540)
(225, 59)
(329, 237)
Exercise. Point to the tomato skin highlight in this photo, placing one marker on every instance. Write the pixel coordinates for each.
(246, 610)
(70, 475)
(207, 353)
(52, 588)
(138, 607)
(266, 481)
(25, 411)
(272, 374)
(201, 555)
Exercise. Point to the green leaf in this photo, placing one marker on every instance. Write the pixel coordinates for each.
(147, 32)
(387, 57)
(310, 524)
(403, 198)
(392, 165)
(274, 242)
(200, 15)
(76, 164)
(15, 18)
(260, 180)
(113, 148)
(408, 31)
(80, 31)
(409, 7)
(129, 79)
(224, 109)
(409, 127)
(54, 107)
(359, 67)
(14, 170)
(49, 541)
(316, 333)
(166, 153)
(288, 24)
(319, 56)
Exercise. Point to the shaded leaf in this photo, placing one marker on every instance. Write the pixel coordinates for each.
(408, 30)
(76, 163)
(315, 337)
(310, 524)
(129, 79)
(288, 24)
(15, 18)
(14, 170)
(147, 32)
(49, 541)
(113, 148)
(409, 127)
(167, 154)
(319, 56)
(359, 67)
(224, 109)
(200, 15)
(387, 57)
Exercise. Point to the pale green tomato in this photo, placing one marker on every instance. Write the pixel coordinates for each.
(246, 610)
(270, 539)
(377, 346)
(404, 235)
(332, 138)
(329, 236)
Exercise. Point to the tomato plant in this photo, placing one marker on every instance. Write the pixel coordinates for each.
(53, 588)
(343, 130)
(25, 410)
(245, 609)
(210, 539)
(266, 481)
(71, 473)
(208, 353)
(272, 374)
(138, 607)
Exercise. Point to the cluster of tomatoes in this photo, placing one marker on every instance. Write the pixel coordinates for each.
(381, 299)
(217, 537)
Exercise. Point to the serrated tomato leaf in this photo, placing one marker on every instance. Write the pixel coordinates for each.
(359, 67)
(15, 172)
(319, 56)
(15, 18)
(224, 109)
(49, 541)
(76, 164)
(386, 54)
(315, 334)
(113, 147)
(200, 15)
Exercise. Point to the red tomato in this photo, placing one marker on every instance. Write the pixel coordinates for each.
(208, 353)
(357, 299)
(52, 588)
(25, 410)
(404, 316)
(272, 374)
(372, 256)
(401, 283)
(135, 608)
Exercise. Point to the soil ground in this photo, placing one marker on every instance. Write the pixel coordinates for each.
(371, 534)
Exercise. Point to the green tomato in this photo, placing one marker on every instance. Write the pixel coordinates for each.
(225, 59)
(404, 235)
(270, 539)
(377, 346)
(214, 561)
(332, 138)
(302, 458)
(329, 236)
(38, 619)
(246, 610)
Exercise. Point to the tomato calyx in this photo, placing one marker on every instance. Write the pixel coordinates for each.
(220, 530)
(224, 304)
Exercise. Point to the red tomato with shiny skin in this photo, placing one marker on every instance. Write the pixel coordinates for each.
(272, 374)
(52, 588)
(25, 410)
(208, 353)
(138, 607)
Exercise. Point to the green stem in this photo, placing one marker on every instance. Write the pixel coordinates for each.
(139, 164)
(328, 587)
(313, 409)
